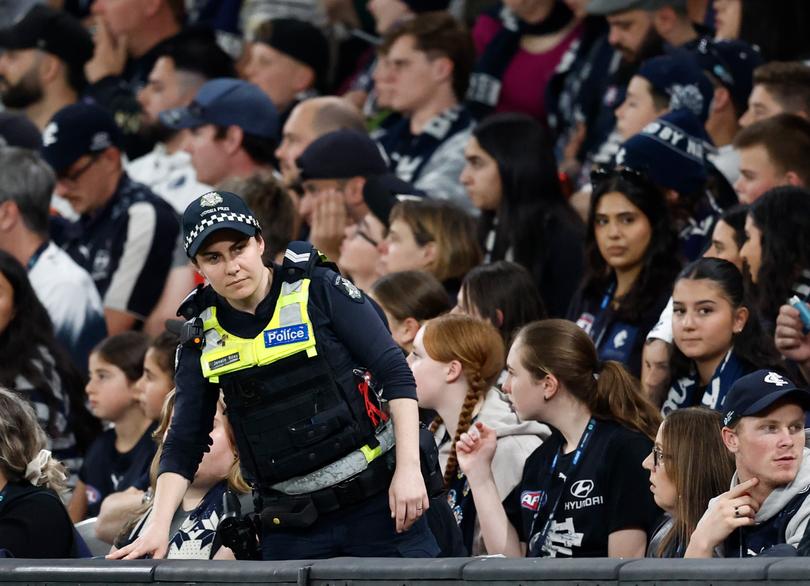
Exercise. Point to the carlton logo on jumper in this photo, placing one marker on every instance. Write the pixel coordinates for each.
(288, 335)
(531, 499)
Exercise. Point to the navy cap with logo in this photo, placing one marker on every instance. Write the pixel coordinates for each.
(757, 392)
(679, 76)
(50, 30)
(732, 63)
(212, 211)
(76, 130)
(227, 102)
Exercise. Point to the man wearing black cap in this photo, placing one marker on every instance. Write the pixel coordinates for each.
(347, 168)
(284, 345)
(42, 67)
(289, 61)
(125, 234)
(767, 506)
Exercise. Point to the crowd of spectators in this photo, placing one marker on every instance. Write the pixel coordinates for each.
(587, 223)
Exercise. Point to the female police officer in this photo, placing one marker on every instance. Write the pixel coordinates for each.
(286, 345)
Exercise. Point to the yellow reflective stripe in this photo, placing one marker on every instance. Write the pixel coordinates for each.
(371, 453)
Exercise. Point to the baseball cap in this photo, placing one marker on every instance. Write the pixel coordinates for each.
(756, 392)
(50, 30)
(227, 102)
(602, 7)
(212, 211)
(732, 63)
(382, 192)
(18, 131)
(76, 130)
(341, 154)
(419, 6)
(298, 39)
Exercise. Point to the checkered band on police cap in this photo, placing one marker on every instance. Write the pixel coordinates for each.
(216, 210)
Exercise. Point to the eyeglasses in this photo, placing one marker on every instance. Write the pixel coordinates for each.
(658, 456)
(366, 237)
(604, 172)
(76, 175)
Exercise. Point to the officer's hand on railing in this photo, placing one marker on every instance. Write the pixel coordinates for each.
(152, 543)
(407, 497)
(732, 509)
(475, 450)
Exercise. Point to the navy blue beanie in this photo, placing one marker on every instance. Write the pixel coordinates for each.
(679, 76)
(671, 151)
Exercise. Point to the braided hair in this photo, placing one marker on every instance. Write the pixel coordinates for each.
(478, 346)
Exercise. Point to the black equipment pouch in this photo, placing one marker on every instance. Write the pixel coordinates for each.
(238, 533)
(288, 512)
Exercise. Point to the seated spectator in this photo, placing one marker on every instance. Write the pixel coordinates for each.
(186, 62)
(767, 505)
(289, 61)
(233, 130)
(128, 41)
(717, 336)
(779, 87)
(631, 266)
(456, 360)
(773, 152)
(120, 457)
(433, 236)
(33, 520)
(65, 289)
(728, 236)
(308, 120)
(672, 152)
(777, 250)
(42, 63)
(430, 58)
(602, 429)
(273, 207)
(125, 233)
(339, 173)
(425, 299)
(40, 370)
(360, 251)
(154, 385)
(193, 529)
(511, 177)
(503, 294)
(777, 29)
(729, 65)
(519, 45)
(663, 84)
(688, 466)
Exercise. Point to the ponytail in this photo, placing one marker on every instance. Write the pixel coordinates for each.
(618, 397)
(561, 348)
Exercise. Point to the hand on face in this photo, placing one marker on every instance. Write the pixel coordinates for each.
(329, 220)
(732, 509)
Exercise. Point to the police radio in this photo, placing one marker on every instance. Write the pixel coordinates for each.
(192, 333)
(236, 532)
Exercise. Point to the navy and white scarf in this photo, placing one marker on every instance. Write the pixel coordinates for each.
(485, 82)
(410, 153)
(687, 391)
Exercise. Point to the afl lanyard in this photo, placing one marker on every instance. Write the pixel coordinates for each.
(583, 443)
(606, 299)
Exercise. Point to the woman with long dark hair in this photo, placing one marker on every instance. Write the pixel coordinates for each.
(39, 370)
(777, 250)
(511, 176)
(717, 340)
(583, 491)
(779, 29)
(631, 265)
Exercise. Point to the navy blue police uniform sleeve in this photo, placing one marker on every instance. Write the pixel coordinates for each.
(360, 328)
(631, 504)
(194, 409)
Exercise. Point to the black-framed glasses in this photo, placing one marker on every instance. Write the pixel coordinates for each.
(658, 456)
(76, 175)
(366, 237)
(602, 173)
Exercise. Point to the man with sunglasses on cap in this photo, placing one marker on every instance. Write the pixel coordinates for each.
(293, 348)
(767, 509)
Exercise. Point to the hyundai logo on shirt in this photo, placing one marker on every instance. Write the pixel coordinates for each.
(288, 335)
